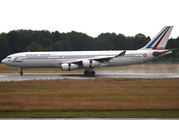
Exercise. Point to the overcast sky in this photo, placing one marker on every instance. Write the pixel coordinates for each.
(92, 17)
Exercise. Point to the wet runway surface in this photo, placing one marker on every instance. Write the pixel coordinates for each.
(37, 76)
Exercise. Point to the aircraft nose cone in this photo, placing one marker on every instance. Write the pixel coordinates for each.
(3, 61)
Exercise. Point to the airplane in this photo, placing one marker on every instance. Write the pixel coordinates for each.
(71, 60)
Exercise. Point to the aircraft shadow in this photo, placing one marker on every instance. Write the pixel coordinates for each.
(78, 75)
(71, 75)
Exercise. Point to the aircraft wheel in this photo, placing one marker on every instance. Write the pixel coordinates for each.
(21, 72)
(92, 72)
(86, 72)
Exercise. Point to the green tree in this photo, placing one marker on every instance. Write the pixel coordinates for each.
(139, 41)
(102, 43)
(13, 39)
(4, 46)
(56, 36)
(46, 42)
(48, 49)
(113, 39)
(34, 47)
(57, 46)
(78, 41)
(24, 39)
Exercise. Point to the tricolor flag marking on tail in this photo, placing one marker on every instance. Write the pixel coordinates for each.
(156, 45)
(160, 40)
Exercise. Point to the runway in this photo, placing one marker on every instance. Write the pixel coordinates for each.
(36, 76)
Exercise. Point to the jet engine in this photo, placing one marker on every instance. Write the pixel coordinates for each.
(69, 67)
(90, 63)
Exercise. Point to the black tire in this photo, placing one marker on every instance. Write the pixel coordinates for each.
(21, 73)
(86, 72)
(92, 72)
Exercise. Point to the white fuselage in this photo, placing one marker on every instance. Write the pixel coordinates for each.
(55, 59)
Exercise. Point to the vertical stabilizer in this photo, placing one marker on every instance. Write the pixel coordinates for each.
(160, 40)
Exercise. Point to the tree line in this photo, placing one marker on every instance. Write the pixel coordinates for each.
(28, 40)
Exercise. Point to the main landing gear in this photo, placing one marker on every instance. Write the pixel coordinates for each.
(21, 72)
(89, 71)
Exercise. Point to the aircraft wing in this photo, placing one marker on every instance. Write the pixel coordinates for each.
(107, 58)
(101, 59)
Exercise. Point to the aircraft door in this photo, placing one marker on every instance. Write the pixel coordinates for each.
(19, 59)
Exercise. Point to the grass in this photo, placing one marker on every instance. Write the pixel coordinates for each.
(102, 97)
(93, 114)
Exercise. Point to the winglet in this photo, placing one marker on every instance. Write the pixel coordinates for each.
(121, 54)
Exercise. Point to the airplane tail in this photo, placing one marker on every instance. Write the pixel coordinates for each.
(160, 40)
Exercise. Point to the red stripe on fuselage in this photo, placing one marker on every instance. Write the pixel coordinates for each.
(67, 58)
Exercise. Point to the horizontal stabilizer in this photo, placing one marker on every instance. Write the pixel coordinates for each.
(157, 53)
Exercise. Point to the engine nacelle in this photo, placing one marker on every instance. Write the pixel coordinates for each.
(69, 67)
(90, 63)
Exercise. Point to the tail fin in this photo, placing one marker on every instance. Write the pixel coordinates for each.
(160, 40)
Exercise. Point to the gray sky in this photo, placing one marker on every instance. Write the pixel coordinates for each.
(92, 17)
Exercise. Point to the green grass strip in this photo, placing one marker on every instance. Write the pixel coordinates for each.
(96, 114)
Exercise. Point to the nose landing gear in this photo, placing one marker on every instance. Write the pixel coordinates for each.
(21, 72)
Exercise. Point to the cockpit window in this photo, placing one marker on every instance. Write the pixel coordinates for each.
(8, 57)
